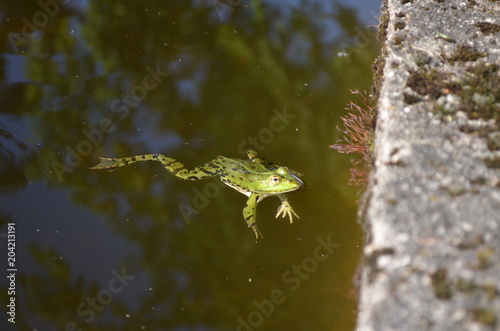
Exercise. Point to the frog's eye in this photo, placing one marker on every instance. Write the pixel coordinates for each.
(274, 180)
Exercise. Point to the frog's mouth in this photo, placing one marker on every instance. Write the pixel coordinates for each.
(298, 180)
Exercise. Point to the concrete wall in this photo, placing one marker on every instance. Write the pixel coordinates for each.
(432, 257)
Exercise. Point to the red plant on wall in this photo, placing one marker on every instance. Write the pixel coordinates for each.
(358, 136)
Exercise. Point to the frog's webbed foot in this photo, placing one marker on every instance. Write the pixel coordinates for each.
(111, 164)
(286, 210)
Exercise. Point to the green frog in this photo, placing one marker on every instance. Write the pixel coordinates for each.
(256, 178)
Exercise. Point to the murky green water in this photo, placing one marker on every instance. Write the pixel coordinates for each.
(138, 249)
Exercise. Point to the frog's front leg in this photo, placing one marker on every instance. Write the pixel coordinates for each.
(250, 214)
(285, 208)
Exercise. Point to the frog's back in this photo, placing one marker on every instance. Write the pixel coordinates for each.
(230, 165)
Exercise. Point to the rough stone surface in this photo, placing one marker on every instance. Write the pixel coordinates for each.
(432, 257)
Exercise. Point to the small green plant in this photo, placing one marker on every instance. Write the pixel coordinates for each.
(485, 316)
(358, 136)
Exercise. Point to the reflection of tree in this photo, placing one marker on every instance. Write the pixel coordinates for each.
(263, 56)
(54, 294)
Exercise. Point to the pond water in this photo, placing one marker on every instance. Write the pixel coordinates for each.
(137, 248)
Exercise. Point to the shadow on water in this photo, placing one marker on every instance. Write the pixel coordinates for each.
(137, 248)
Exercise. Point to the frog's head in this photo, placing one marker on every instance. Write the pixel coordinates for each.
(278, 181)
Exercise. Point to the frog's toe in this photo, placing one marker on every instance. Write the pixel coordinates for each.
(286, 210)
(256, 231)
(281, 210)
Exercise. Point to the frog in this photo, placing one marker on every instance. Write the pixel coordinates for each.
(256, 178)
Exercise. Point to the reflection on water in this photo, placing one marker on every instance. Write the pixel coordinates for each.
(138, 248)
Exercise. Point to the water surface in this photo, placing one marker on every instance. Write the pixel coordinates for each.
(138, 249)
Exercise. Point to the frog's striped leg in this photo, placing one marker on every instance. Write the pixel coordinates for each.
(285, 208)
(250, 214)
(176, 168)
(112, 164)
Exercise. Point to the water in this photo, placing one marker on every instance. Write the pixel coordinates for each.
(138, 249)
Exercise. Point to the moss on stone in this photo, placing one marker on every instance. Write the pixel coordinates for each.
(479, 90)
(482, 95)
(431, 82)
(493, 163)
(441, 285)
(464, 53)
(484, 257)
(485, 316)
(488, 28)
(399, 25)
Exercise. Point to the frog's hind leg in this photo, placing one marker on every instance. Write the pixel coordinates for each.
(250, 215)
(112, 164)
(206, 170)
(176, 168)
